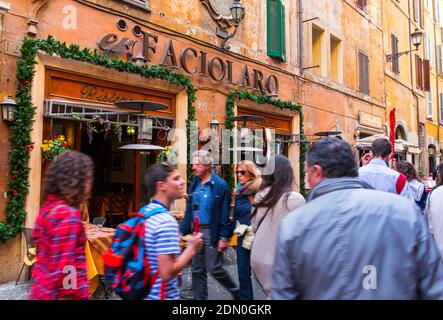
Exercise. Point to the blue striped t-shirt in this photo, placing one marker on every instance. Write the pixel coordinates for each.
(161, 237)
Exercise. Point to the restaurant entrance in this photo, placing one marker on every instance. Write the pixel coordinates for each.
(83, 110)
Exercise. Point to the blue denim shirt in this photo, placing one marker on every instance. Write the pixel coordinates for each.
(202, 200)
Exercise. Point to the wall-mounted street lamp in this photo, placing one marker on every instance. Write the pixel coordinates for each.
(416, 39)
(215, 126)
(8, 105)
(224, 18)
(237, 12)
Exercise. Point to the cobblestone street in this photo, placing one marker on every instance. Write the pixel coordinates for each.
(9, 291)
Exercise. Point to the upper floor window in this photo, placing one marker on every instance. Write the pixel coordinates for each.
(276, 34)
(422, 74)
(362, 4)
(363, 72)
(418, 12)
(394, 50)
(139, 3)
(430, 50)
(317, 43)
(336, 60)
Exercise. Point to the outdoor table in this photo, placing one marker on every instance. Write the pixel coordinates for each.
(97, 243)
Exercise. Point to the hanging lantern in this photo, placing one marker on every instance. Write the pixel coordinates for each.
(130, 130)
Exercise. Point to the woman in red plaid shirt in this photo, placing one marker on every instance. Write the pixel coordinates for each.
(60, 270)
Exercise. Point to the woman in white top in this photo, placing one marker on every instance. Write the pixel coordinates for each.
(416, 187)
(435, 212)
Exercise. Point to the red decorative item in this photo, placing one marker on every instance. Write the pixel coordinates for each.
(14, 192)
(30, 147)
(392, 131)
(196, 225)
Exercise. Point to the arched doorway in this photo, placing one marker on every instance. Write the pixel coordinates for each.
(400, 133)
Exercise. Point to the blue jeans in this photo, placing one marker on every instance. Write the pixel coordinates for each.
(244, 271)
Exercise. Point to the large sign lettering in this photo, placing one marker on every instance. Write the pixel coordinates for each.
(191, 61)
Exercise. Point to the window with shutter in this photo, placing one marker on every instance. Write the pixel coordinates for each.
(363, 68)
(440, 108)
(429, 105)
(276, 29)
(395, 61)
(141, 3)
(418, 73)
(362, 4)
(431, 52)
(439, 59)
(422, 14)
(426, 44)
(426, 76)
(415, 7)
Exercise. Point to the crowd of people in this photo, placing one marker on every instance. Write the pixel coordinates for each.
(362, 233)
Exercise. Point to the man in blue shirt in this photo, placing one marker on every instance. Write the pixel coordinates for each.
(378, 174)
(209, 201)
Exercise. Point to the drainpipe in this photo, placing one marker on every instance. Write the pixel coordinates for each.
(300, 35)
(436, 78)
(412, 78)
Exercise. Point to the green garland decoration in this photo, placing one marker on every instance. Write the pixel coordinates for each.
(20, 139)
(260, 99)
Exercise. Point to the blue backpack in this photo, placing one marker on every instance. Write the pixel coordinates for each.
(126, 265)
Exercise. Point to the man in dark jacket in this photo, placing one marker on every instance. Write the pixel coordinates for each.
(209, 201)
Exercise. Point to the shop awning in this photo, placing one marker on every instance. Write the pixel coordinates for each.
(369, 130)
(400, 144)
(87, 112)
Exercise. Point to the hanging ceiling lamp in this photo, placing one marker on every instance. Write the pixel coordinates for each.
(144, 124)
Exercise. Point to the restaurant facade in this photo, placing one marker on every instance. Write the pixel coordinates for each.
(90, 55)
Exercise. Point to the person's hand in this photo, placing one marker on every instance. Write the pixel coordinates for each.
(366, 158)
(222, 245)
(196, 242)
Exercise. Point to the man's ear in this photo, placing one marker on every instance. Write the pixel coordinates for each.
(317, 171)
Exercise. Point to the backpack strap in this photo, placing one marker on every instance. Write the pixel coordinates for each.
(154, 211)
(401, 181)
(163, 290)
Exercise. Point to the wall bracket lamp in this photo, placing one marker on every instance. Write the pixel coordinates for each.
(225, 18)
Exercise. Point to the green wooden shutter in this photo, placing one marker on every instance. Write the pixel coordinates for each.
(283, 26)
(275, 29)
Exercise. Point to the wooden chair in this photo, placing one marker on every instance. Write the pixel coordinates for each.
(31, 255)
(117, 209)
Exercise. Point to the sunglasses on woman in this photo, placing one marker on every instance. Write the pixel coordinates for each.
(242, 172)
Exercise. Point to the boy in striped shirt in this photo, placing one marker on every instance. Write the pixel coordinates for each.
(161, 233)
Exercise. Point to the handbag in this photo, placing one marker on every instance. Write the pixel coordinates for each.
(243, 229)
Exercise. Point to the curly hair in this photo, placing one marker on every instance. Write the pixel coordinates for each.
(70, 177)
(407, 169)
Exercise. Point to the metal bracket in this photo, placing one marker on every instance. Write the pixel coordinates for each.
(312, 67)
(307, 20)
(90, 112)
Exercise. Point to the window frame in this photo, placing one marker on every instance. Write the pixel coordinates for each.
(280, 53)
(364, 82)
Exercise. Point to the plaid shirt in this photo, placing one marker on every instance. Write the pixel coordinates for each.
(60, 269)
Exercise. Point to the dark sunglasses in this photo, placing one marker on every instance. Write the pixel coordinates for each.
(242, 172)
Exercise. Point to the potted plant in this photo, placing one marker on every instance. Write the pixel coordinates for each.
(52, 148)
(168, 155)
